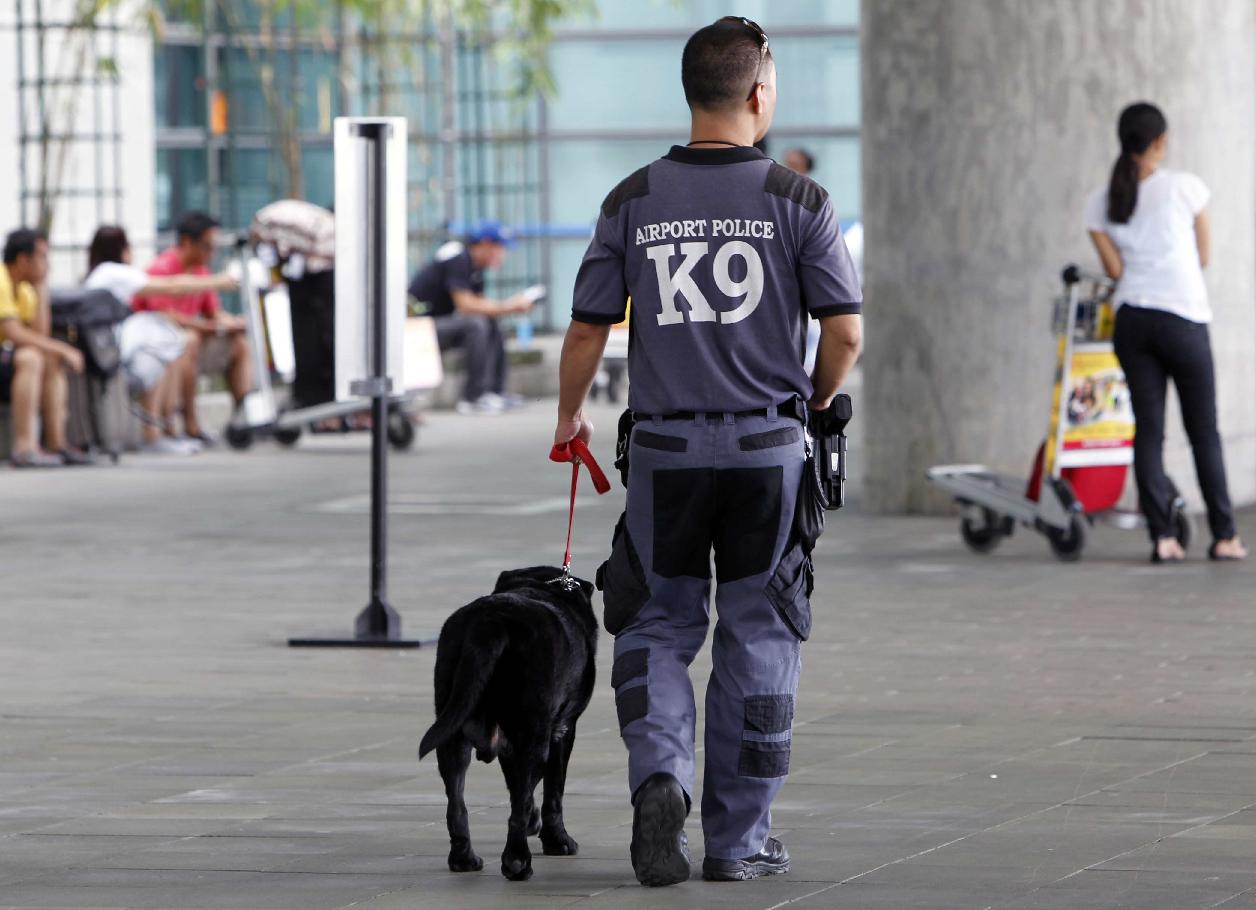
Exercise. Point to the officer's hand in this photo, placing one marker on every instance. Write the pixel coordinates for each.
(573, 427)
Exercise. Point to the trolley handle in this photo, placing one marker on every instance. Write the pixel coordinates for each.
(1074, 274)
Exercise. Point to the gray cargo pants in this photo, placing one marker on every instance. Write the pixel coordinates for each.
(729, 484)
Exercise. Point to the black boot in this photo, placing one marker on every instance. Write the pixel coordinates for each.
(773, 859)
(660, 851)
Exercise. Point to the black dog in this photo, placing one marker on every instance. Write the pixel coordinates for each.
(514, 672)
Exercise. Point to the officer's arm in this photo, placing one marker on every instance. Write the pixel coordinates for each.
(581, 358)
(840, 340)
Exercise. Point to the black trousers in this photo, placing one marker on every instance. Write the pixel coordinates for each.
(313, 299)
(1153, 347)
(481, 338)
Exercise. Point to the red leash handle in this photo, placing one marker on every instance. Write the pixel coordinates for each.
(577, 453)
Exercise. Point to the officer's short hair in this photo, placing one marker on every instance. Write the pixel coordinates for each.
(22, 242)
(720, 65)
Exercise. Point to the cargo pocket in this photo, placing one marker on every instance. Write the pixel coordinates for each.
(789, 589)
(763, 759)
(621, 580)
(628, 677)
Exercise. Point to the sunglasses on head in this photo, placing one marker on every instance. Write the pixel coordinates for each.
(760, 35)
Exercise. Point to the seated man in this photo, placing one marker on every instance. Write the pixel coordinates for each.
(31, 361)
(154, 350)
(216, 340)
(452, 286)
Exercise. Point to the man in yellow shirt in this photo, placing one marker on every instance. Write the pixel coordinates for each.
(32, 362)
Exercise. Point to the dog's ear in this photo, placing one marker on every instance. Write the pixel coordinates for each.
(513, 579)
(506, 581)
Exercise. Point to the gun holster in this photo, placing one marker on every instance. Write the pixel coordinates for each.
(622, 444)
(829, 432)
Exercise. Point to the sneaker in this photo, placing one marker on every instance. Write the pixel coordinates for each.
(205, 440)
(511, 401)
(773, 859)
(660, 850)
(36, 460)
(488, 403)
(76, 458)
(168, 445)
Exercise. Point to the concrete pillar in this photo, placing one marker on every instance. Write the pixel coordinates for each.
(985, 125)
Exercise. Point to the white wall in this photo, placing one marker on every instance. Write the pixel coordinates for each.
(75, 219)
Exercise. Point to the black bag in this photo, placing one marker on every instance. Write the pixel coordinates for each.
(86, 318)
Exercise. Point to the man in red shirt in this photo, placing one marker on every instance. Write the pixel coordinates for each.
(216, 339)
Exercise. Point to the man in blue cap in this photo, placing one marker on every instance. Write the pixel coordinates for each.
(452, 287)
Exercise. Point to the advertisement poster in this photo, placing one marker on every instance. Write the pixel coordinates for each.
(1099, 419)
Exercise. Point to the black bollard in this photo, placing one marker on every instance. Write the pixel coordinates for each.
(378, 625)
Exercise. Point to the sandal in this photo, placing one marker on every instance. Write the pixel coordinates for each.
(1222, 557)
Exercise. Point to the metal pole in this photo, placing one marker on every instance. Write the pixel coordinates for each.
(378, 622)
(379, 372)
(378, 625)
(23, 138)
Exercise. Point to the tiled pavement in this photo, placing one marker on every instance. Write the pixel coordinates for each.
(998, 731)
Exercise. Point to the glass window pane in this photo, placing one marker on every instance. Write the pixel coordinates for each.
(696, 13)
(317, 91)
(178, 86)
(240, 75)
(583, 172)
(617, 85)
(817, 82)
(627, 85)
(182, 184)
(318, 175)
(252, 178)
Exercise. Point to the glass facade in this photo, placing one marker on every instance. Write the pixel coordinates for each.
(479, 150)
(619, 103)
(237, 103)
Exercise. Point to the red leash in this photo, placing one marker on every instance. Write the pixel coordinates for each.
(578, 454)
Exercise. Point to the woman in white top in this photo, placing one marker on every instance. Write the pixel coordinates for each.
(109, 268)
(1150, 227)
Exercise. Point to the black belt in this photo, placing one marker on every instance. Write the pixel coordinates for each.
(793, 408)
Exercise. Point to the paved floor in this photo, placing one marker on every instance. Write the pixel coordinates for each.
(997, 731)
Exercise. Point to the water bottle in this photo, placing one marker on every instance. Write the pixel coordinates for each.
(523, 333)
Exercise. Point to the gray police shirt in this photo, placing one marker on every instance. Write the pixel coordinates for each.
(722, 251)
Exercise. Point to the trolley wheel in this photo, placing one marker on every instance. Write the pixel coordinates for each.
(982, 535)
(1183, 526)
(287, 436)
(238, 437)
(401, 430)
(1067, 545)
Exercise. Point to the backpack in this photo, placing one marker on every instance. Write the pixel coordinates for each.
(86, 318)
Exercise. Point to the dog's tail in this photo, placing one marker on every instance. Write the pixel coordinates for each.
(475, 668)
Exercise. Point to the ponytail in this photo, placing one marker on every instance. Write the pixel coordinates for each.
(1140, 125)
(1123, 189)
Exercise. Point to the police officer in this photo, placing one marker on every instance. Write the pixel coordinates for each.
(724, 254)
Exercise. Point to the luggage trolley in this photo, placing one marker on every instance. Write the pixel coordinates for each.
(1080, 469)
(262, 415)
